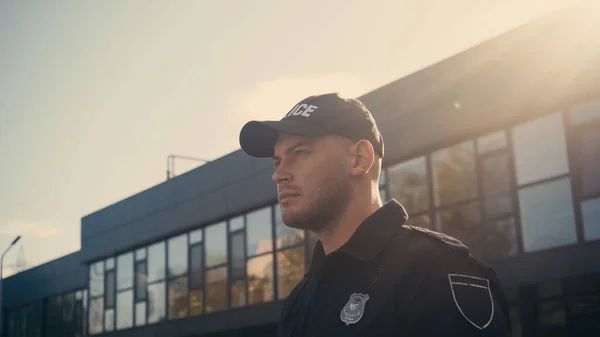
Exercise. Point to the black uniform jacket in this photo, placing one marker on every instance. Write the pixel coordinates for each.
(395, 280)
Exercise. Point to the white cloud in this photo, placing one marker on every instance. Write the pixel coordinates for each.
(29, 229)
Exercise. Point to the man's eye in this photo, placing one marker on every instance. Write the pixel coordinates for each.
(300, 152)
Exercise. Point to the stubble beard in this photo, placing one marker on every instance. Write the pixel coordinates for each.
(328, 203)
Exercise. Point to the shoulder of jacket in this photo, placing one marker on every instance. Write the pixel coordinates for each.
(437, 239)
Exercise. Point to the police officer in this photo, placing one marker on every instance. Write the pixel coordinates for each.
(371, 274)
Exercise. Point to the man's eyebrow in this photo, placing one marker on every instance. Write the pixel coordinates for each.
(293, 147)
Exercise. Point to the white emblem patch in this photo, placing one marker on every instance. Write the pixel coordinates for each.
(473, 298)
(354, 309)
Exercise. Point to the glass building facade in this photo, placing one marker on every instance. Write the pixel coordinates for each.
(521, 195)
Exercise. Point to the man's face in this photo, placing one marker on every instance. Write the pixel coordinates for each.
(313, 179)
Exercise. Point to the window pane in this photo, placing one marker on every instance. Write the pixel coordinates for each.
(216, 289)
(547, 215)
(238, 256)
(96, 316)
(540, 149)
(590, 212)
(178, 300)
(109, 296)
(216, 244)
(109, 320)
(125, 271)
(259, 231)
(420, 221)
(236, 223)
(461, 222)
(156, 262)
(140, 314)
(495, 173)
(589, 157)
(585, 112)
(97, 279)
(408, 184)
(140, 281)
(492, 142)
(454, 174)
(178, 255)
(197, 267)
(196, 302)
(125, 309)
(196, 236)
(286, 236)
(238, 293)
(495, 239)
(140, 254)
(156, 302)
(110, 263)
(290, 270)
(498, 206)
(260, 279)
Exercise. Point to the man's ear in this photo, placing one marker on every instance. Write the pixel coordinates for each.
(364, 156)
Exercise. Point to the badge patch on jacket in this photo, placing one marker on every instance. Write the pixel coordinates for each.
(354, 308)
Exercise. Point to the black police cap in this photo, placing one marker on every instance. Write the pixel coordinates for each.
(314, 116)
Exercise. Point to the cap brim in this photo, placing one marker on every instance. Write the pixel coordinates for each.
(258, 139)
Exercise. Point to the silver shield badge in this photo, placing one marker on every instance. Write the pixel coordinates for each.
(354, 309)
(473, 298)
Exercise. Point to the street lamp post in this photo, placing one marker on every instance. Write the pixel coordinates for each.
(1, 289)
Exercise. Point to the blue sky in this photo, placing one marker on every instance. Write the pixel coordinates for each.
(94, 95)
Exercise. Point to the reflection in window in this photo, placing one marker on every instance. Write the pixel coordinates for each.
(590, 212)
(156, 302)
(97, 279)
(238, 293)
(178, 255)
(236, 223)
(286, 236)
(96, 316)
(260, 279)
(140, 280)
(140, 313)
(109, 296)
(216, 289)
(196, 236)
(408, 184)
(259, 231)
(495, 172)
(547, 216)
(178, 299)
(462, 222)
(197, 267)
(540, 149)
(454, 174)
(589, 158)
(290, 270)
(196, 301)
(125, 309)
(491, 142)
(125, 271)
(156, 262)
(109, 320)
(238, 256)
(216, 244)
